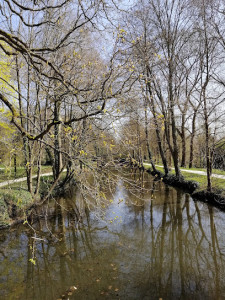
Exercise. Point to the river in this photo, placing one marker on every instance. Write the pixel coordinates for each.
(159, 244)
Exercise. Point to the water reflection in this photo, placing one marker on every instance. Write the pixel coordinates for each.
(159, 244)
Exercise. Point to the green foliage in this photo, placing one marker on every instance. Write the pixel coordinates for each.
(6, 87)
(32, 261)
(5, 76)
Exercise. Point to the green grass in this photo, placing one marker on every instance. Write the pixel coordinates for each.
(218, 184)
(8, 172)
(214, 171)
(45, 182)
(16, 194)
(17, 197)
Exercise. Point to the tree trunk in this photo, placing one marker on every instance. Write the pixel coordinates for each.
(157, 131)
(183, 141)
(192, 140)
(26, 144)
(175, 152)
(205, 110)
(57, 143)
(15, 164)
(39, 170)
(207, 147)
(147, 138)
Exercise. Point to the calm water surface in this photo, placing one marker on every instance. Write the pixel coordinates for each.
(164, 246)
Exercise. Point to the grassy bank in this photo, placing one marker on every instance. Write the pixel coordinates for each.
(12, 204)
(217, 196)
(217, 183)
(214, 171)
(15, 198)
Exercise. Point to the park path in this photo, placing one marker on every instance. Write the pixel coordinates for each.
(11, 181)
(194, 172)
(8, 182)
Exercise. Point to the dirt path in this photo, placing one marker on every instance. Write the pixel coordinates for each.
(194, 172)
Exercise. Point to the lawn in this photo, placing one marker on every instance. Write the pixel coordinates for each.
(8, 172)
(214, 171)
(217, 183)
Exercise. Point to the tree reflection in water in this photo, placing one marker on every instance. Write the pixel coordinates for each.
(160, 244)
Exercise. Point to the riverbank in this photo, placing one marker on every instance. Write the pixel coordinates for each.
(15, 199)
(14, 196)
(194, 182)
